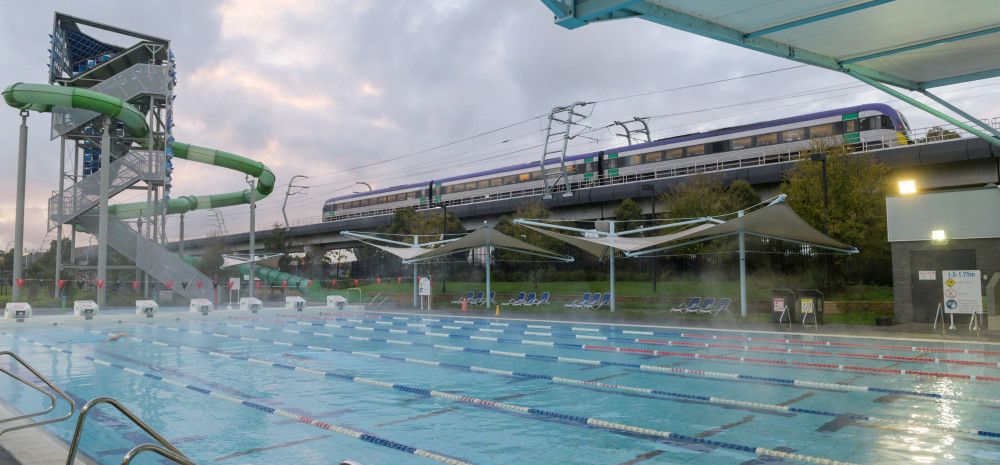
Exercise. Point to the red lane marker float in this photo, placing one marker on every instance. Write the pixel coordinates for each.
(745, 348)
(825, 366)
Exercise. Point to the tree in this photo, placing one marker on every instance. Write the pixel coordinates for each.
(210, 262)
(278, 242)
(937, 133)
(533, 211)
(858, 185)
(707, 196)
(628, 212)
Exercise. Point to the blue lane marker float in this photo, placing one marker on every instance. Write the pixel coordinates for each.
(762, 345)
(497, 405)
(578, 382)
(657, 368)
(349, 432)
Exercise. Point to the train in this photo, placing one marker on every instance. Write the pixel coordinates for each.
(872, 125)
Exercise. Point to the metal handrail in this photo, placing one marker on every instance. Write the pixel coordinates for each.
(127, 459)
(175, 454)
(349, 294)
(372, 303)
(26, 365)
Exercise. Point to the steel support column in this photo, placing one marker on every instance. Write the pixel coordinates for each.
(611, 263)
(59, 228)
(102, 218)
(22, 161)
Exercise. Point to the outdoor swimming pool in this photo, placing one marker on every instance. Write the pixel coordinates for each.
(316, 387)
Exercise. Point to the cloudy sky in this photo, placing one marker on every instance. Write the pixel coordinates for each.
(323, 88)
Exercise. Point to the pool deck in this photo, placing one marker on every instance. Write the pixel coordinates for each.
(33, 445)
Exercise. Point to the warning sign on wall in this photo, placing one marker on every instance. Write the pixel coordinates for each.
(962, 291)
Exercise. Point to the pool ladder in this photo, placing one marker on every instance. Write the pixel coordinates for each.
(163, 447)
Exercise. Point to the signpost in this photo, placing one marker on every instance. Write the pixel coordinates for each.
(962, 292)
(425, 292)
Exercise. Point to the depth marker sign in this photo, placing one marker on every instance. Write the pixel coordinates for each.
(962, 291)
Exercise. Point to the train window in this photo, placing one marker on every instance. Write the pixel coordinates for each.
(676, 153)
(742, 143)
(850, 126)
(868, 123)
(570, 169)
(496, 182)
(510, 179)
(766, 139)
(653, 157)
(695, 150)
(483, 184)
(536, 175)
(448, 189)
(470, 186)
(524, 177)
(823, 130)
(635, 160)
(887, 122)
(792, 135)
(720, 146)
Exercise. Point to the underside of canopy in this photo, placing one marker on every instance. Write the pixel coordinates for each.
(915, 44)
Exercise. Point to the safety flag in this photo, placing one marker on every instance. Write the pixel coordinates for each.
(284, 284)
(200, 284)
(135, 284)
(170, 284)
(20, 282)
(62, 283)
(100, 284)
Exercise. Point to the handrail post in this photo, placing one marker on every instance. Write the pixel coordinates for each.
(43, 379)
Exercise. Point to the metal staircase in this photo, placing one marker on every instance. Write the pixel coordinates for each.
(157, 261)
(79, 198)
(554, 149)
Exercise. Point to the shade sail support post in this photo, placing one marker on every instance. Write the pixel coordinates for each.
(487, 252)
(416, 298)
(743, 269)
(611, 263)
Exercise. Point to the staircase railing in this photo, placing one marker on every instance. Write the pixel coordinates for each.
(164, 448)
(52, 399)
(135, 166)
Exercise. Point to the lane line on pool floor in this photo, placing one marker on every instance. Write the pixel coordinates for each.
(760, 347)
(342, 430)
(658, 353)
(526, 412)
(658, 369)
(574, 327)
(722, 402)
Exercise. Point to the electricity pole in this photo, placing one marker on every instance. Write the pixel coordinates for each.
(288, 192)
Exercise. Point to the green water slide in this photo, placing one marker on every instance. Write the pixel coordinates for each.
(43, 98)
(276, 277)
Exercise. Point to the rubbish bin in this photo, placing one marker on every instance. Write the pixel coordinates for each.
(810, 306)
(782, 299)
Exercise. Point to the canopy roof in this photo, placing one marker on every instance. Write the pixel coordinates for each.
(775, 221)
(600, 246)
(916, 44)
(405, 253)
(486, 237)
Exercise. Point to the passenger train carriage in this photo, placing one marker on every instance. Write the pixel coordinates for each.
(874, 125)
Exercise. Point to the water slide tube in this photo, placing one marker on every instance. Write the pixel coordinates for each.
(43, 97)
(275, 277)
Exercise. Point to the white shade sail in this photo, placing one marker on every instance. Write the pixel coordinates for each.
(602, 245)
(487, 237)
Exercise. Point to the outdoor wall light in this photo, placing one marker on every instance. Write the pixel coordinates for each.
(908, 186)
(938, 236)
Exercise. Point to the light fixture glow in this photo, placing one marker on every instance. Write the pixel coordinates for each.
(908, 186)
(938, 235)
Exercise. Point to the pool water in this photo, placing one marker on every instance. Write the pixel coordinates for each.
(320, 387)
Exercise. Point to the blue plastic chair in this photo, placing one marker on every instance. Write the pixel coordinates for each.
(579, 303)
(519, 300)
